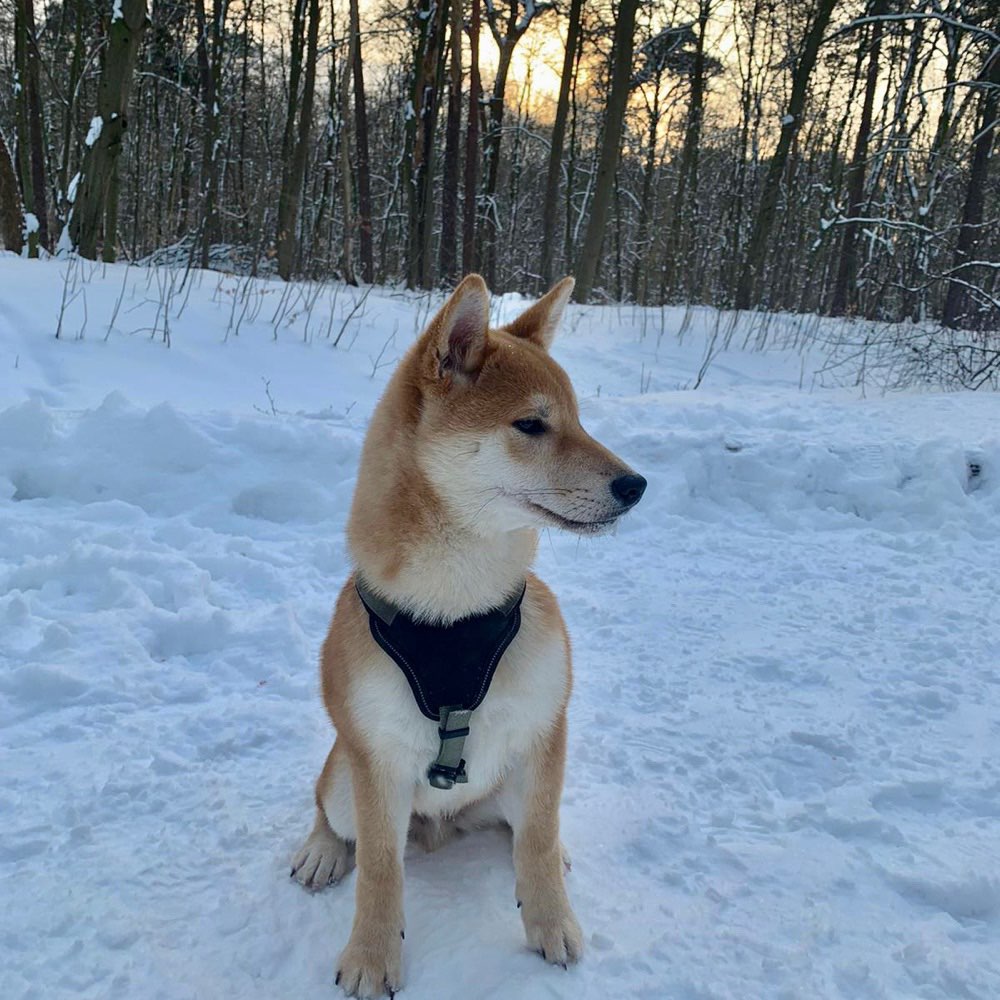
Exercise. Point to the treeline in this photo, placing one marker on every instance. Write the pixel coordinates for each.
(808, 155)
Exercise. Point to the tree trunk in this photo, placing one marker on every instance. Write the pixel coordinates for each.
(844, 292)
(569, 230)
(96, 204)
(428, 136)
(30, 147)
(554, 171)
(295, 143)
(346, 186)
(490, 220)
(452, 144)
(614, 120)
(754, 263)
(287, 198)
(323, 237)
(11, 214)
(413, 148)
(675, 257)
(640, 279)
(959, 300)
(209, 52)
(734, 227)
(63, 206)
(361, 140)
(517, 25)
(470, 211)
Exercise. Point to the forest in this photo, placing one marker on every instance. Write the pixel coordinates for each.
(820, 156)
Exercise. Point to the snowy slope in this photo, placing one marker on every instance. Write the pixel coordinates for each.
(784, 779)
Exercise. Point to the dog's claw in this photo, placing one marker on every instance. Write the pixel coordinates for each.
(336, 979)
(402, 934)
(519, 904)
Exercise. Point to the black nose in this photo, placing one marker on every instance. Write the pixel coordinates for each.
(629, 489)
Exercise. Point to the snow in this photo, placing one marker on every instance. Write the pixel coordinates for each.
(783, 775)
(30, 223)
(94, 132)
(787, 120)
(116, 11)
(65, 244)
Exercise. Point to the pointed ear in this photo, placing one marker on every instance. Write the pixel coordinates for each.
(539, 323)
(459, 330)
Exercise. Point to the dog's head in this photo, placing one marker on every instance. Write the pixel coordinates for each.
(499, 433)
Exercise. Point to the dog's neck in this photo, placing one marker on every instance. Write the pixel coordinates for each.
(453, 573)
(407, 545)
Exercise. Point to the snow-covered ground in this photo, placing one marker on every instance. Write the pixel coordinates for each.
(784, 776)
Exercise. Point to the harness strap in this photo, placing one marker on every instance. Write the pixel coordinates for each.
(471, 646)
(387, 612)
(448, 769)
(378, 606)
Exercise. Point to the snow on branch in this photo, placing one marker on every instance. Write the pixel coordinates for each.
(915, 16)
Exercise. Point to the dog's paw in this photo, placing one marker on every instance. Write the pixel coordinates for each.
(323, 860)
(556, 936)
(431, 834)
(371, 964)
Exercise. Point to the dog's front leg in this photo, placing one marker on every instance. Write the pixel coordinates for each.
(371, 964)
(549, 923)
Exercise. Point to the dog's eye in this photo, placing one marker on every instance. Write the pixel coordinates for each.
(532, 426)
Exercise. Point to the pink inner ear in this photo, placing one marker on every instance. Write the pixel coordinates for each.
(462, 341)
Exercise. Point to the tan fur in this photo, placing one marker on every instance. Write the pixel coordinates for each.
(449, 498)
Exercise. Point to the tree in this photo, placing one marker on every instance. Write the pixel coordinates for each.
(11, 213)
(682, 219)
(95, 209)
(427, 140)
(346, 184)
(361, 137)
(614, 119)
(209, 49)
(554, 169)
(470, 212)
(755, 257)
(298, 124)
(960, 297)
(844, 291)
(30, 148)
(421, 127)
(452, 152)
(507, 32)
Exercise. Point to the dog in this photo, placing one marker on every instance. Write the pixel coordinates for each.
(475, 445)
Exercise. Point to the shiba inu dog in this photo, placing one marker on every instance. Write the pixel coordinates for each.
(475, 445)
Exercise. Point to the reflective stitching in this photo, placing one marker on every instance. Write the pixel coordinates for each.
(505, 641)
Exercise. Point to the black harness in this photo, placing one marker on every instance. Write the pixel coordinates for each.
(448, 667)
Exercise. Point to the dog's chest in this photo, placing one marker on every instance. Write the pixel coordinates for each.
(524, 699)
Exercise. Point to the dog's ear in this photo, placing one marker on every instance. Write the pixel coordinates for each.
(459, 330)
(539, 323)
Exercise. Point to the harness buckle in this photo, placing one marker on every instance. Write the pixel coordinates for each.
(448, 769)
